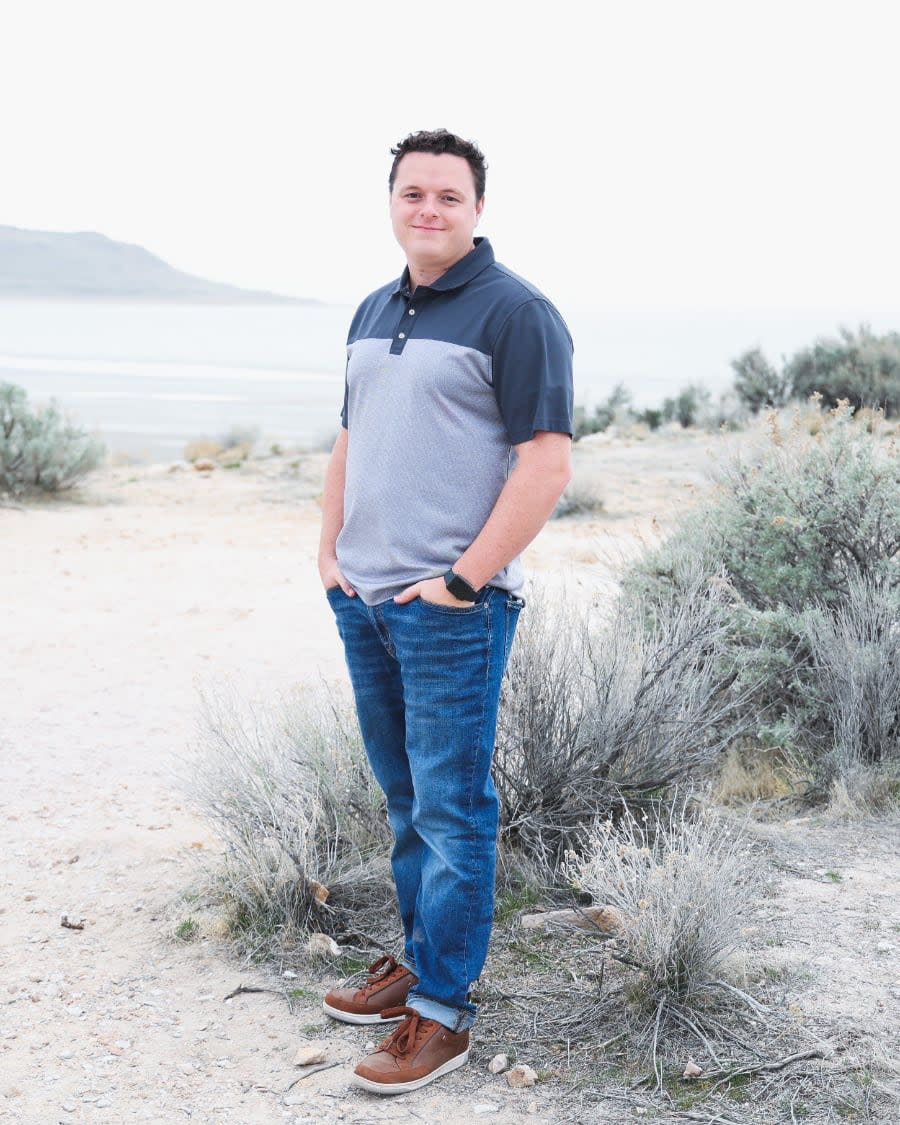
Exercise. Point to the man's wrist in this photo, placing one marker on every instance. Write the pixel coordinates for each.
(460, 587)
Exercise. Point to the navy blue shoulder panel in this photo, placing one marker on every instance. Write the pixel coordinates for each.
(472, 316)
(367, 320)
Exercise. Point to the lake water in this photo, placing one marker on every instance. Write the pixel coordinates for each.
(151, 377)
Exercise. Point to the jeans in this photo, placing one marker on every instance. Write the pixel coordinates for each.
(426, 679)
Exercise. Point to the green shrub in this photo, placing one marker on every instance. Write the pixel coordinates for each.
(794, 530)
(616, 406)
(859, 367)
(41, 449)
(757, 383)
(688, 407)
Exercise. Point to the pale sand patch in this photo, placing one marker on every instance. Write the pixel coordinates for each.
(118, 605)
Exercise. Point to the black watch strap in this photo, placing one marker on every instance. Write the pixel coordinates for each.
(459, 587)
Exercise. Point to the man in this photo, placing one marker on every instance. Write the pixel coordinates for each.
(454, 448)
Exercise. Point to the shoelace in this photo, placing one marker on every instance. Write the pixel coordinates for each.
(404, 1037)
(381, 971)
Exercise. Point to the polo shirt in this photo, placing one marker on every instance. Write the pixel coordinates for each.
(441, 384)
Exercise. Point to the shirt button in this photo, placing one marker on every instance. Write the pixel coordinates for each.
(401, 335)
(412, 312)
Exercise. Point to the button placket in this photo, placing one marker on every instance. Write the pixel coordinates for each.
(401, 334)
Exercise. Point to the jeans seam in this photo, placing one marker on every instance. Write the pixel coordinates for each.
(382, 631)
(487, 603)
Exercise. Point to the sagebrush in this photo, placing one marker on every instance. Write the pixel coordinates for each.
(306, 839)
(601, 703)
(806, 533)
(41, 448)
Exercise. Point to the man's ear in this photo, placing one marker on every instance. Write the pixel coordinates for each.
(479, 207)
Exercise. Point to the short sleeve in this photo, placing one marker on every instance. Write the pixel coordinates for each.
(346, 400)
(531, 367)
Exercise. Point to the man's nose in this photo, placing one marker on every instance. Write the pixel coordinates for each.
(429, 205)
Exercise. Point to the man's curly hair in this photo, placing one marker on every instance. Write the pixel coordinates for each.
(439, 141)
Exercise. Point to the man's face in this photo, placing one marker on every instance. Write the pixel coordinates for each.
(434, 209)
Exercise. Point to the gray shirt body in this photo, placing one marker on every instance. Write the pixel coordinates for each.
(441, 384)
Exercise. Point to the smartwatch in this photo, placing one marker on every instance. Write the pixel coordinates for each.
(459, 587)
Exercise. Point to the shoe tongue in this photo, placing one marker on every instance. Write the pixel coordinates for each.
(381, 968)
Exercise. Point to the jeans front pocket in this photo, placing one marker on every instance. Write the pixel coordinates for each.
(478, 606)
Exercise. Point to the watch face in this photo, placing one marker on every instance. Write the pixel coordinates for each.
(459, 587)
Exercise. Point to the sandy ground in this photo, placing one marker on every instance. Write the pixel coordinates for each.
(119, 605)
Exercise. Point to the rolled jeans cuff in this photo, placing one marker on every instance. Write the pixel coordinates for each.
(456, 1019)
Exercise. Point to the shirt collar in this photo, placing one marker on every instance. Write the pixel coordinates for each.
(459, 274)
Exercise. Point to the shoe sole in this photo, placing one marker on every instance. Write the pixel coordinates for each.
(356, 1017)
(415, 1084)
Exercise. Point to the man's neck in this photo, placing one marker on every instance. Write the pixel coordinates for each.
(428, 274)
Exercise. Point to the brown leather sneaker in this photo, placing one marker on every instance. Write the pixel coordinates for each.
(414, 1054)
(386, 987)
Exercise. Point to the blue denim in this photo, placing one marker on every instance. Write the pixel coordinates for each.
(426, 679)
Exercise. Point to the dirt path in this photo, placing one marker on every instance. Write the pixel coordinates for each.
(117, 607)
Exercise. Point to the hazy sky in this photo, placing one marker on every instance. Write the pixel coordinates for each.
(646, 154)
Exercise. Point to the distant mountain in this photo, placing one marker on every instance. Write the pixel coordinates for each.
(36, 263)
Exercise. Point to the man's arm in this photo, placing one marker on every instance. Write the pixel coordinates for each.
(333, 517)
(524, 505)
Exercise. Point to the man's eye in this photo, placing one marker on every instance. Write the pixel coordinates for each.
(450, 199)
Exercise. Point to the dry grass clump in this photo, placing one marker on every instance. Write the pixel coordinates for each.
(290, 794)
(582, 497)
(680, 885)
(202, 449)
(748, 774)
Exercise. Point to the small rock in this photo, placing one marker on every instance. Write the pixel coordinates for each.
(485, 1107)
(692, 1070)
(532, 1107)
(205, 464)
(309, 1055)
(884, 947)
(520, 1076)
(289, 974)
(186, 1067)
(322, 943)
(498, 1064)
(69, 1107)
